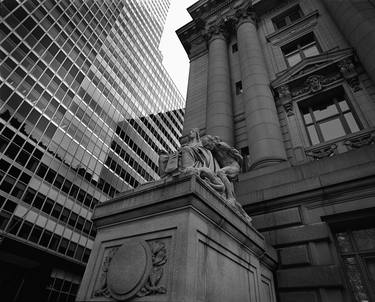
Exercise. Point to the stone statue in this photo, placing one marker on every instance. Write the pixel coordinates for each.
(213, 160)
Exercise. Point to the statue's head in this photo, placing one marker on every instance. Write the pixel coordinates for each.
(209, 142)
(194, 133)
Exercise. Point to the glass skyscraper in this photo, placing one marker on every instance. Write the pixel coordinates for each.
(85, 107)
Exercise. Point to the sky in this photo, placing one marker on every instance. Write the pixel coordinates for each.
(175, 59)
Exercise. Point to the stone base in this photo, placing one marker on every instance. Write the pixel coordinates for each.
(176, 240)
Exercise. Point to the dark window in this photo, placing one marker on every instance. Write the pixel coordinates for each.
(56, 210)
(234, 47)
(287, 17)
(301, 48)
(238, 88)
(328, 116)
(35, 234)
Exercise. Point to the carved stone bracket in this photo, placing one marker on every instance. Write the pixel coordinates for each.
(348, 71)
(322, 152)
(358, 142)
(288, 107)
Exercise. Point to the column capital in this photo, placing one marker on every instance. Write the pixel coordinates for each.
(245, 15)
(216, 31)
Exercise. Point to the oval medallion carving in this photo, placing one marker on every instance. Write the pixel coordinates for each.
(129, 269)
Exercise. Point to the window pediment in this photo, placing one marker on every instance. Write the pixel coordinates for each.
(309, 66)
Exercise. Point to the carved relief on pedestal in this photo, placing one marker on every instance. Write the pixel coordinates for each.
(134, 269)
(347, 69)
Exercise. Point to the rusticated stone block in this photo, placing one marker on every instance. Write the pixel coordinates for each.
(298, 297)
(313, 276)
(294, 255)
(277, 219)
(299, 234)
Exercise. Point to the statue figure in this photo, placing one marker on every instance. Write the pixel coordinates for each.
(229, 160)
(213, 160)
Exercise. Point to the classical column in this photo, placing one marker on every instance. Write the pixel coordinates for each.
(263, 128)
(356, 20)
(219, 116)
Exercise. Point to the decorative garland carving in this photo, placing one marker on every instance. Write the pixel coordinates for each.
(315, 83)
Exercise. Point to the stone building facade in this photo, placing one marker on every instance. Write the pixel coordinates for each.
(291, 85)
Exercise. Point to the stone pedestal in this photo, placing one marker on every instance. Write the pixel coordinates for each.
(176, 240)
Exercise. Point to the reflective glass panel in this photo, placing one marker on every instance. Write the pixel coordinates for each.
(332, 129)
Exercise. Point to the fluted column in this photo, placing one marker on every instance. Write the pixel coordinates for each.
(356, 21)
(263, 128)
(219, 115)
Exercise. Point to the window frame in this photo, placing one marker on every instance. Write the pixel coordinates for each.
(285, 16)
(340, 115)
(300, 49)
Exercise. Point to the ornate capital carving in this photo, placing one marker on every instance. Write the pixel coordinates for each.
(245, 15)
(216, 32)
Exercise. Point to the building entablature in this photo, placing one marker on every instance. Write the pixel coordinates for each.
(211, 20)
